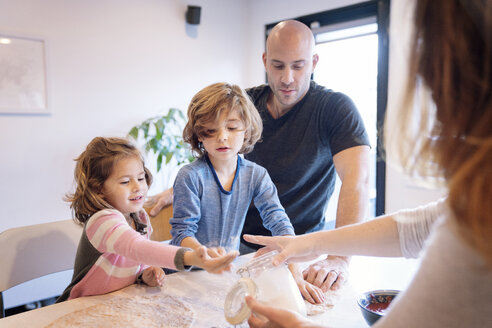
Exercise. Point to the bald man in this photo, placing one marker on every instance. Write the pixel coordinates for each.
(310, 134)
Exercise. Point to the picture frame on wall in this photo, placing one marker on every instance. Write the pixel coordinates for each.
(22, 75)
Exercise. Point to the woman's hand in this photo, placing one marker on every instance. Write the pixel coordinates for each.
(153, 276)
(200, 258)
(272, 317)
(290, 248)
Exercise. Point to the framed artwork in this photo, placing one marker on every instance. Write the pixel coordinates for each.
(22, 75)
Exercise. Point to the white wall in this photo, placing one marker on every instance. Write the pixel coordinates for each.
(113, 63)
(110, 65)
(401, 192)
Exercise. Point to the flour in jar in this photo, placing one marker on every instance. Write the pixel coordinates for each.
(269, 284)
(277, 286)
(150, 311)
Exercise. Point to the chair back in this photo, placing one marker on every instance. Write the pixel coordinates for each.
(34, 251)
(160, 224)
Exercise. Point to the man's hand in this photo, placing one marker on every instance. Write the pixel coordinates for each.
(159, 201)
(330, 273)
(153, 276)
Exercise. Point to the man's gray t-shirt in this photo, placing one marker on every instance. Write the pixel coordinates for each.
(297, 150)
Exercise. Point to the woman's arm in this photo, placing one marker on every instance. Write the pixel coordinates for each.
(377, 237)
(393, 235)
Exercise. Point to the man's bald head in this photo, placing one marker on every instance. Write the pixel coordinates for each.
(291, 32)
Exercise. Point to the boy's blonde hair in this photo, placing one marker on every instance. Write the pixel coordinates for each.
(209, 103)
(93, 168)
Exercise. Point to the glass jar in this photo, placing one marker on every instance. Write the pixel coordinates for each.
(269, 284)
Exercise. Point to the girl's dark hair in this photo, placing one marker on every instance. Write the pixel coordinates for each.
(93, 167)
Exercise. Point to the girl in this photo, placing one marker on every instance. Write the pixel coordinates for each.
(213, 194)
(114, 249)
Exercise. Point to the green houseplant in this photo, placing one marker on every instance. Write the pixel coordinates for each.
(163, 136)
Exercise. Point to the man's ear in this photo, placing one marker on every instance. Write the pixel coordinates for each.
(315, 60)
(264, 57)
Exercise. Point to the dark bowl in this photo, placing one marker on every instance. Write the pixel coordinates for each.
(373, 304)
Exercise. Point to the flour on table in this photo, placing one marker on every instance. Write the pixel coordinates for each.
(162, 311)
(315, 309)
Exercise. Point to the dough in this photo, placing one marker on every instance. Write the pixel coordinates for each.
(163, 311)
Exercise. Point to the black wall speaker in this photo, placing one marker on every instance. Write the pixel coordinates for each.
(193, 15)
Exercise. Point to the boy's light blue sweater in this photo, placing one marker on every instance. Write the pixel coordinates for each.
(215, 217)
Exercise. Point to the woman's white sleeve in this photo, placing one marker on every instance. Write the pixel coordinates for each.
(415, 225)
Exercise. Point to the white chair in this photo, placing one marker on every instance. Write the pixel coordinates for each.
(34, 251)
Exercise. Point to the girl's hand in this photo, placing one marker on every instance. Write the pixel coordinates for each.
(153, 276)
(272, 317)
(200, 258)
(214, 252)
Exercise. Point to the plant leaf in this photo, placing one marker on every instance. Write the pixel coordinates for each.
(154, 145)
(168, 157)
(145, 129)
(167, 140)
(159, 162)
(159, 129)
(134, 133)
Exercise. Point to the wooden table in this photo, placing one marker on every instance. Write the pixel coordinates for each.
(206, 292)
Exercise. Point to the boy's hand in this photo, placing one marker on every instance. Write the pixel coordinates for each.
(153, 276)
(310, 292)
(200, 258)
